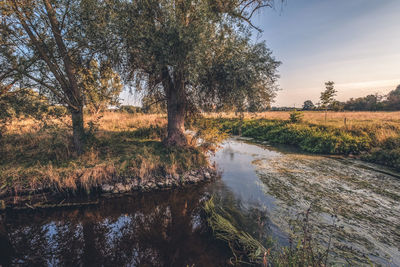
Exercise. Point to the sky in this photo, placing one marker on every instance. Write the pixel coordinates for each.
(355, 43)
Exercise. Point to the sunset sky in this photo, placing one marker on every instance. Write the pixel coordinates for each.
(355, 43)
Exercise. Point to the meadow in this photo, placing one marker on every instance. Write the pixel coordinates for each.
(336, 119)
(38, 156)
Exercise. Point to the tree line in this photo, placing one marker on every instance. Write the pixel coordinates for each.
(191, 55)
(373, 102)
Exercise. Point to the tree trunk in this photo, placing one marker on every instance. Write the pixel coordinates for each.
(176, 108)
(176, 119)
(241, 116)
(78, 130)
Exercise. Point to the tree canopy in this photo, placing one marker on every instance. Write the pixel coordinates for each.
(328, 96)
(308, 105)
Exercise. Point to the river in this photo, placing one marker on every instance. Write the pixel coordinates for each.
(355, 204)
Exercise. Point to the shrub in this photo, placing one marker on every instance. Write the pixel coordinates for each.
(295, 116)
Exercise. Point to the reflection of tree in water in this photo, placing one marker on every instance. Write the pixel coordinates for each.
(157, 230)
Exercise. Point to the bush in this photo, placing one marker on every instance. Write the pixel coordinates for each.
(130, 109)
(387, 154)
(295, 116)
(308, 137)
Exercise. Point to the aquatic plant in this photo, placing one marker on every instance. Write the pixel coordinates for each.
(303, 250)
(244, 247)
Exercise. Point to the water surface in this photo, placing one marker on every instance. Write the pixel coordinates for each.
(265, 187)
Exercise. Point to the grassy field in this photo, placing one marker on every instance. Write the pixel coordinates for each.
(336, 119)
(37, 155)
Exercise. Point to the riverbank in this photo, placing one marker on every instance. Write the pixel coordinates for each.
(124, 153)
(377, 142)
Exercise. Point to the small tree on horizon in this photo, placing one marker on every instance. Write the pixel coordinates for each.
(308, 105)
(328, 96)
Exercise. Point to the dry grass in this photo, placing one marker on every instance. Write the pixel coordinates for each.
(108, 121)
(318, 117)
(36, 155)
(384, 124)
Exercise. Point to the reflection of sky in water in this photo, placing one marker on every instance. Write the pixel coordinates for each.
(234, 161)
(238, 174)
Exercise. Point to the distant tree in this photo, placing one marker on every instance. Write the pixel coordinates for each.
(18, 103)
(328, 96)
(308, 105)
(130, 109)
(369, 102)
(336, 105)
(393, 99)
(154, 104)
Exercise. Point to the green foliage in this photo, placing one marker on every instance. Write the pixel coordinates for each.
(154, 104)
(327, 96)
(240, 77)
(316, 138)
(130, 109)
(209, 136)
(370, 102)
(196, 54)
(387, 153)
(295, 116)
(308, 137)
(302, 249)
(245, 248)
(101, 85)
(373, 102)
(393, 100)
(22, 102)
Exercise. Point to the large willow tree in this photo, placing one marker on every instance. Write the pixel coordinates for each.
(195, 52)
